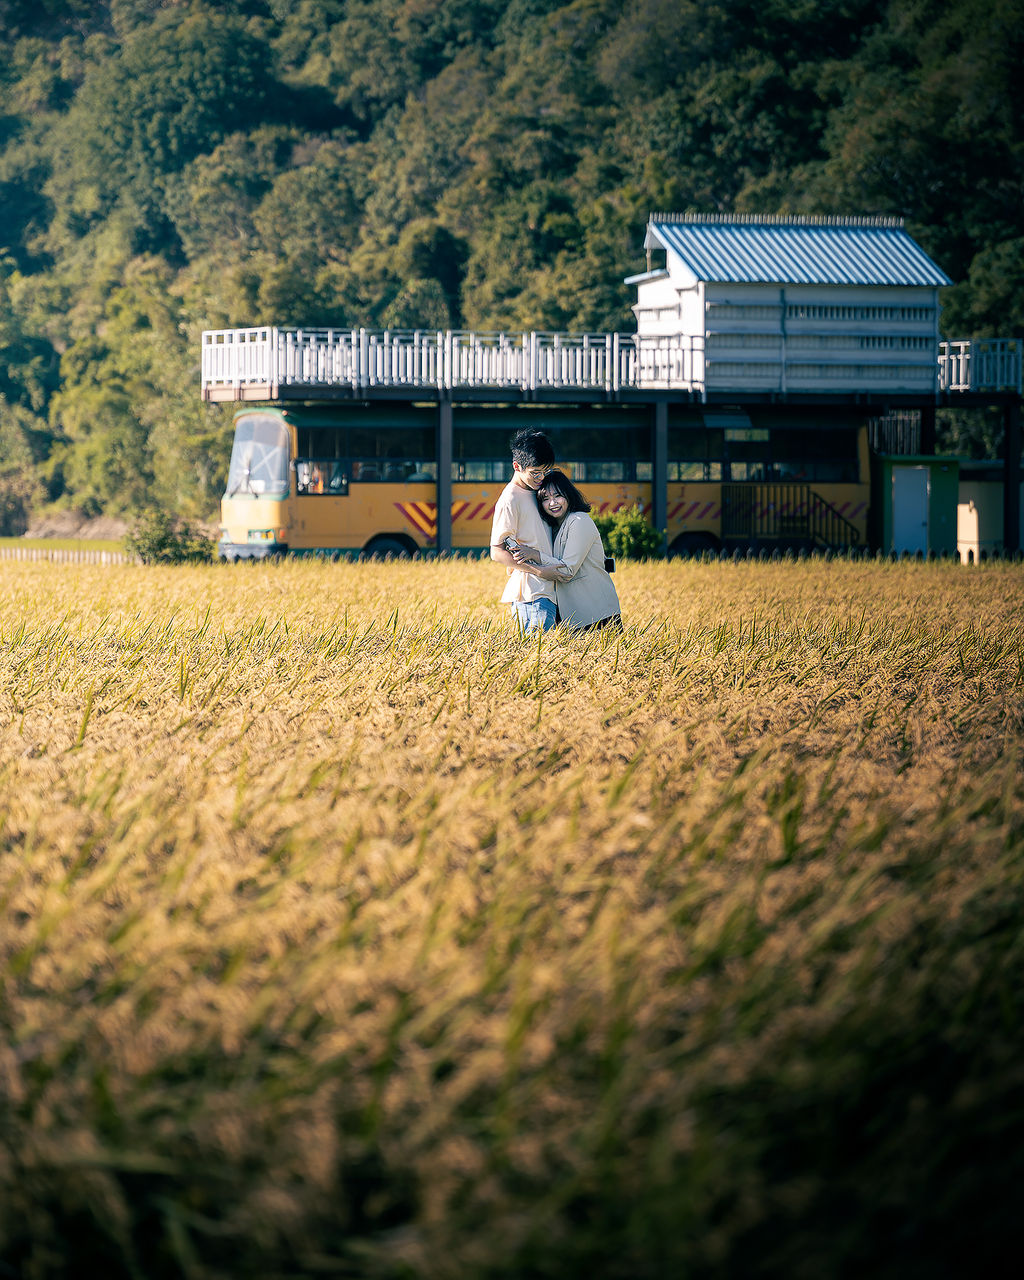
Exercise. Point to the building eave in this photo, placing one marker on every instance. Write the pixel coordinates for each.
(660, 274)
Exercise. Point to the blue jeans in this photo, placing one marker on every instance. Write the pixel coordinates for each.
(535, 615)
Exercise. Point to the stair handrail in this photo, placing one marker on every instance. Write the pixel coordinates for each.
(838, 522)
(783, 508)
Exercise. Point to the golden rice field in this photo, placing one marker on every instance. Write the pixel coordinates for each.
(342, 933)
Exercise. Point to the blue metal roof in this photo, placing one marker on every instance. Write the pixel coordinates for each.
(767, 250)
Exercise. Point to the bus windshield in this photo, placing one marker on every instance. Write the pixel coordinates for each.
(259, 456)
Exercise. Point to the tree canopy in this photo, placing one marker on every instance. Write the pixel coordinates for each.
(172, 165)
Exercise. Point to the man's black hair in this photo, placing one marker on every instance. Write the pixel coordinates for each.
(532, 449)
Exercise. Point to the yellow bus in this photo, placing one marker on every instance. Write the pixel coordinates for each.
(363, 479)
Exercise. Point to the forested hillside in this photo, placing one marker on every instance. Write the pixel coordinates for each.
(172, 165)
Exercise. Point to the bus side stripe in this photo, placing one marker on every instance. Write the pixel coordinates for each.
(425, 523)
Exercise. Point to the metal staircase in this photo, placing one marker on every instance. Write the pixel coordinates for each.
(784, 516)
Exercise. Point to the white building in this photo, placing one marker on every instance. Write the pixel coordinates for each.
(802, 305)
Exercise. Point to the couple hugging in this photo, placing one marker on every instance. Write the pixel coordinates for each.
(550, 547)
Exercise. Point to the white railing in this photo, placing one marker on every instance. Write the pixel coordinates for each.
(236, 357)
(267, 359)
(271, 358)
(980, 364)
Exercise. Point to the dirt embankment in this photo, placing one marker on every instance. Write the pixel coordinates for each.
(72, 524)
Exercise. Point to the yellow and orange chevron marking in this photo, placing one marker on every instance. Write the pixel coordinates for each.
(623, 504)
(851, 510)
(695, 511)
(423, 515)
(467, 511)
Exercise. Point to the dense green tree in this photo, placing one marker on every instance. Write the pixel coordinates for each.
(990, 302)
(46, 17)
(173, 165)
(213, 201)
(930, 126)
(971, 433)
(372, 54)
(28, 363)
(21, 449)
(145, 110)
(509, 263)
(311, 213)
(132, 431)
(430, 254)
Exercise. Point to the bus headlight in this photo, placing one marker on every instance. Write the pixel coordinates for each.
(267, 535)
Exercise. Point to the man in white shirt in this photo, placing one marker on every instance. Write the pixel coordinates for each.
(517, 520)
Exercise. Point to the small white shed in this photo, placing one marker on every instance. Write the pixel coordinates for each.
(762, 303)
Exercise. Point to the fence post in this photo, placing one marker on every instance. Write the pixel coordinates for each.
(274, 362)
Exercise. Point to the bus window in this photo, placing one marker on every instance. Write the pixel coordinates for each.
(321, 475)
(387, 444)
(363, 454)
(259, 456)
(606, 452)
(824, 454)
(696, 444)
(694, 471)
(599, 471)
(748, 453)
(497, 472)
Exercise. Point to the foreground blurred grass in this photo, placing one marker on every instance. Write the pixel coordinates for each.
(346, 934)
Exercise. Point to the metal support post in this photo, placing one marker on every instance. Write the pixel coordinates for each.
(444, 474)
(659, 478)
(1011, 476)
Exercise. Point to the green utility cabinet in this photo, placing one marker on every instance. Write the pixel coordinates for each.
(915, 500)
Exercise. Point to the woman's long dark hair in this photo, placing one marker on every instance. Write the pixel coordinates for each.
(561, 483)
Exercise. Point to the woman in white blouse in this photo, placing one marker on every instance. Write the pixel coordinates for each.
(584, 591)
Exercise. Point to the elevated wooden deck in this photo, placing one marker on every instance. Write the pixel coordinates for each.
(271, 363)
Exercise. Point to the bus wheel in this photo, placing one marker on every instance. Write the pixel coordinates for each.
(693, 545)
(387, 549)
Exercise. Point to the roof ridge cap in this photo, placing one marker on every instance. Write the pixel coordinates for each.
(780, 219)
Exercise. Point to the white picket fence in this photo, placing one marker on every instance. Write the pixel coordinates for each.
(64, 555)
